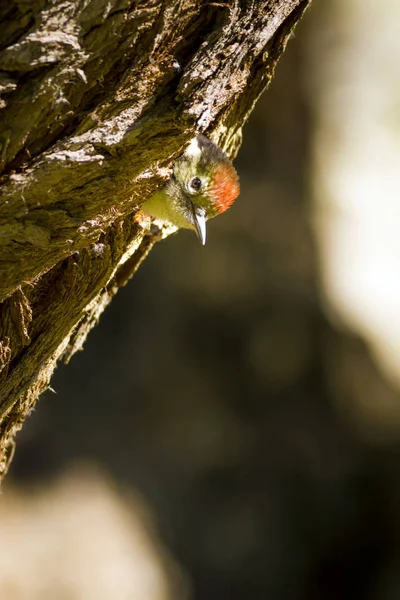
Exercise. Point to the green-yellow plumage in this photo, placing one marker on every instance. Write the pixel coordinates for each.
(204, 184)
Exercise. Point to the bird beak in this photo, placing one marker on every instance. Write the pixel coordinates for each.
(200, 226)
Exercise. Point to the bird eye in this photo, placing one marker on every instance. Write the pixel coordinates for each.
(195, 184)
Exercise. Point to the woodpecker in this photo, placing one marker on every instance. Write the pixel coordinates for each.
(203, 185)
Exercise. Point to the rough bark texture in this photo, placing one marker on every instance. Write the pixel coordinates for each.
(97, 99)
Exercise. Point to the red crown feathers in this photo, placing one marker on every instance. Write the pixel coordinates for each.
(225, 187)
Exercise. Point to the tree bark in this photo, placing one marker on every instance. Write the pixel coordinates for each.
(97, 100)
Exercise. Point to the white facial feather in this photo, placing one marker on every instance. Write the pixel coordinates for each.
(193, 149)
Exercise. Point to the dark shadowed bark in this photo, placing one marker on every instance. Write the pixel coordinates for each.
(97, 99)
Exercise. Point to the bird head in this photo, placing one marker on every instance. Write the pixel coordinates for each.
(203, 185)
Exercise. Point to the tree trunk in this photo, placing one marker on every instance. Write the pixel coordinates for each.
(97, 100)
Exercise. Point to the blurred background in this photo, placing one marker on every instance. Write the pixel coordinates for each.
(232, 428)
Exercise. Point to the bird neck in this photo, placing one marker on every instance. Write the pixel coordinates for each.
(163, 206)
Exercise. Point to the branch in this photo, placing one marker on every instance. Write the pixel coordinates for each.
(97, 102)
